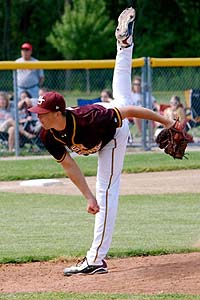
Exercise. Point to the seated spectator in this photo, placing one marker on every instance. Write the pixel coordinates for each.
(7, 124)
(106, 96)
(175, 110)
(156, 106)
(29, 124)
(42, 91)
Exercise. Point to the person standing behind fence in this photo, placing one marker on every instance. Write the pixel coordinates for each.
(137, 100)
(28, 79)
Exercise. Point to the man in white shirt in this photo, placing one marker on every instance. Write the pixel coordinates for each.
(28, 79)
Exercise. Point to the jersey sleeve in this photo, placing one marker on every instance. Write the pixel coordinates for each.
(54, 147)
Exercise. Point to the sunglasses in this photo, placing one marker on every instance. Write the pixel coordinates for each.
(136, 84)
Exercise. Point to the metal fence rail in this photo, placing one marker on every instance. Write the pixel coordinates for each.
(161, 78)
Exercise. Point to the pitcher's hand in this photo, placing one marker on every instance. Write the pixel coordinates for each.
(92, 206)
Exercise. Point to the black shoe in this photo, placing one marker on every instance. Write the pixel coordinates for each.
(84, 268)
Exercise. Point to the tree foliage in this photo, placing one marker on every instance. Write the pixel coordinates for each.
(166, 29)
(25, 20)
(85, 28)
(84, 32)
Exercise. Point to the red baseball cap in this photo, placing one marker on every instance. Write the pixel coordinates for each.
(26, 46)
(49, 102)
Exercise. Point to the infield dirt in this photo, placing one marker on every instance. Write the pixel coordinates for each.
(176, 273)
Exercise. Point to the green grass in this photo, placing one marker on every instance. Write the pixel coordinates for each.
(134, 163)
(99, 296)
(42, 227)
(72, 97)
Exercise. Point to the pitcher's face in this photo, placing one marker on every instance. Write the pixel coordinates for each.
(48, 120)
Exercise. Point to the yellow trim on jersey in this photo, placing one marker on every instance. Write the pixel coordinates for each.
(56, 137)
(62, 158)
(74, 131)
(118, 116)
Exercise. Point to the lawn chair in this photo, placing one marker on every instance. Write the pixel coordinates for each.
(3, 141)
(35, 143)
(192, 100)
(83, 102)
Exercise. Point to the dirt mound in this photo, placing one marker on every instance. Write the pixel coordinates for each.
(176, 273)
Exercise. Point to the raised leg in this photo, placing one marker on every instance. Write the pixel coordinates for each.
(123, 64)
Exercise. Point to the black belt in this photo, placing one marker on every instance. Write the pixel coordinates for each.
(30, 87)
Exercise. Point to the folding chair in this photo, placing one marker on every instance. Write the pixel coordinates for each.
(192, 100)
(3, 141)
(83, 102)
(35, 142)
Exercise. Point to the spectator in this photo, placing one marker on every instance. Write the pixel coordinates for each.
(42, 91)
(7, 124)
(29, 123)
(29, 79)
(176, 110)
(137, 100)
(106, 96)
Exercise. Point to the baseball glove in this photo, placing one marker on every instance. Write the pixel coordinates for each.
(174, 140)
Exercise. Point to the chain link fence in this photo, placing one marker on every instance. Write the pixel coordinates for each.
(85, 79)
(178, 78)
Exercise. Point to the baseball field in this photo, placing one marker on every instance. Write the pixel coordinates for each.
(155, 252)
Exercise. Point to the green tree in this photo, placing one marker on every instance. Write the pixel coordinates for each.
(167, 30)
(163, 28)
(25, 20)
(190, 28)
(84, 32)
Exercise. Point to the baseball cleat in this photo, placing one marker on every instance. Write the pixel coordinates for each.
(124, 30)
(84, 268)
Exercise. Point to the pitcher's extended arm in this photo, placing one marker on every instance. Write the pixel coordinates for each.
(74, 173)
(144, 113)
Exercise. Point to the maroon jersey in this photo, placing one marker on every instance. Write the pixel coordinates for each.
(88, 129)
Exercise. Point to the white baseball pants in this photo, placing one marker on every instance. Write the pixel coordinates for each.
(110, 163)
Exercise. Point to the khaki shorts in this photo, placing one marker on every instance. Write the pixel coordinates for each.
(5, 126)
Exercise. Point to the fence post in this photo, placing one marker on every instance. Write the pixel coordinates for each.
(87, 81)
(149, 100)
(16, 113)
(144, 93)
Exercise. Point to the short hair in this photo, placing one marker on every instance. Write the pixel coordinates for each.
(27, 93)
(176, 98)
(108, 92)
(137, 78)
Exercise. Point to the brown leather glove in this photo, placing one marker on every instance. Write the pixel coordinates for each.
(174, 140)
